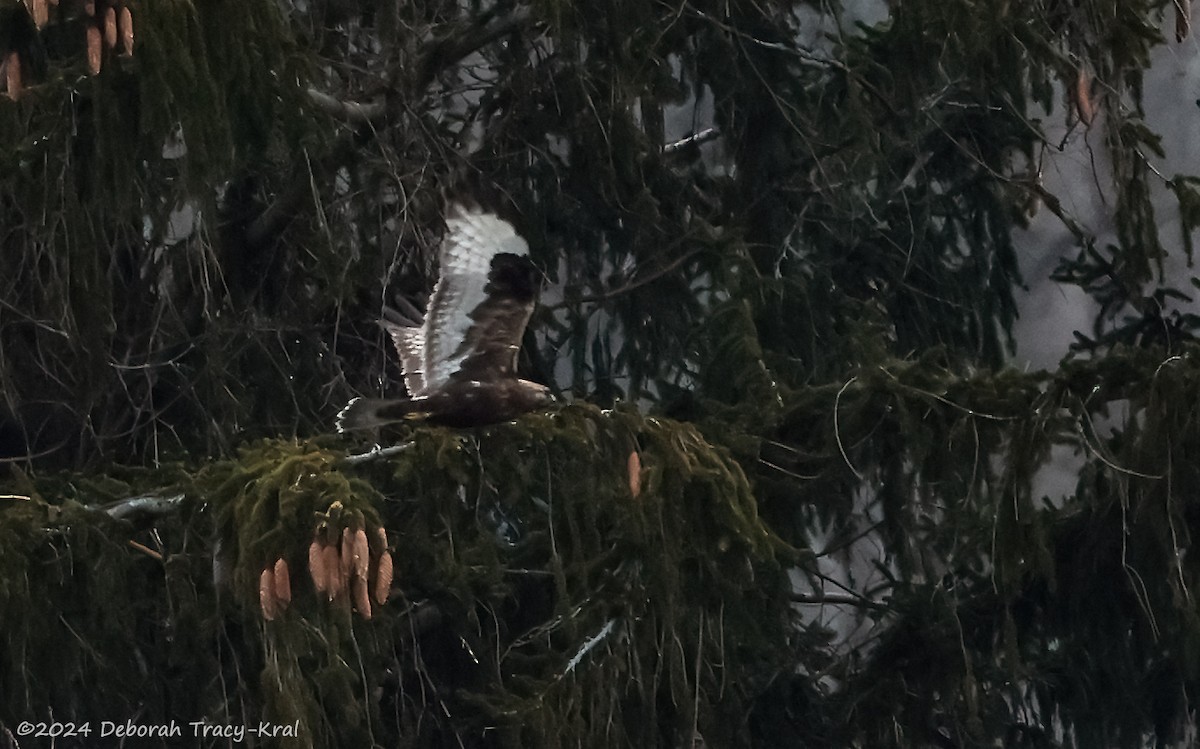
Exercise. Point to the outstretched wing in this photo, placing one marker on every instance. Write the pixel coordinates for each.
(474, 313)
(410, 344)
(493, 341)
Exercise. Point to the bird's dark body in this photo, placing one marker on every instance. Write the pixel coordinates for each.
(459, 405)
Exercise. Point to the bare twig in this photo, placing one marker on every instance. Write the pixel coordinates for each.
(837, 433)
(841, 599)
(375, 453)
(145, 550)
(696, 139)
(592, 642)
(144, 506)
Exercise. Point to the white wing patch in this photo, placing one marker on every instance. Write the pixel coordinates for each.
(473, 238)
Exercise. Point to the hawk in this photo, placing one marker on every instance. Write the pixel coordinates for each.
(460, 363)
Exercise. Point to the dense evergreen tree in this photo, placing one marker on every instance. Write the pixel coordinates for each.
(797, 309)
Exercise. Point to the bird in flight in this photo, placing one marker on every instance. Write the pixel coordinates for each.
(460, 362)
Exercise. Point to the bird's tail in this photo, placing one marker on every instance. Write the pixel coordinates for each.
(367, 413)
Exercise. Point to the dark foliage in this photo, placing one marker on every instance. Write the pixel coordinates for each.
(791, 234)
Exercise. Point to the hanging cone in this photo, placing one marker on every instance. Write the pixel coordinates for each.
(635, 474)
(1081, 95)
(347, 568)
(12, 74)
(316, 566)
(110, 28)
(362, 554)
(94, 49)
(383, 578)
(266, 594)
(283, 583)
(125, 23)
(362, 599)
(335, 583)
(381, 542)
(40, 11)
